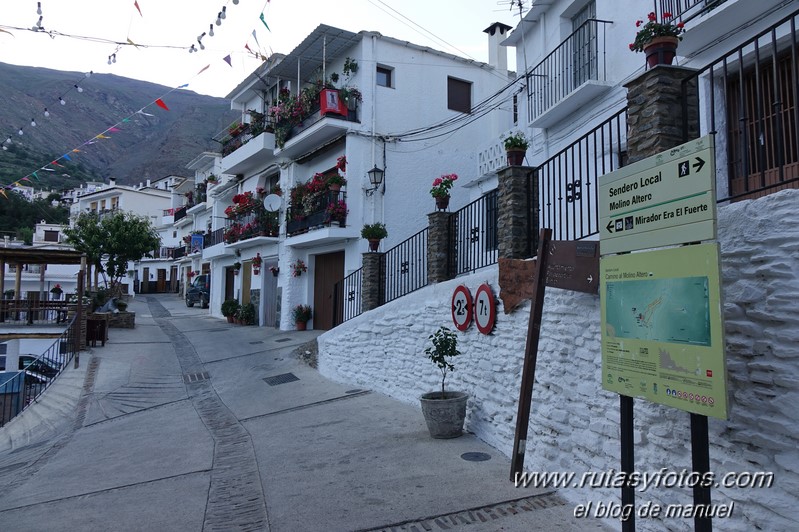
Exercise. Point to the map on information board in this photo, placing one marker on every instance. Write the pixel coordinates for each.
(665, 310)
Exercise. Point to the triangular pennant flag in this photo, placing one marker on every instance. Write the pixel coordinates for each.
(183, 86)
(34, 175)
(132, 43)
(141, 112)
(76, 150)
(136, 3)
(113, 129)
(56, 163)
(67, 157)
(4, 31)
(264, 21)
(3, 192)
(25, 179)
(160, 103)
(256, 38)
(227, 60)
(101, 136)
(247, 46)
(203, 70)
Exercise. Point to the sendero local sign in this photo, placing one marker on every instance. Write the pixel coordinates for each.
(662, 200)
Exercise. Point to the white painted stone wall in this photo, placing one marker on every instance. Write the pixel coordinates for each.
(574, 424)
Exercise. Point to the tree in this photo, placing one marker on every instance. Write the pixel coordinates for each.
(111, 240)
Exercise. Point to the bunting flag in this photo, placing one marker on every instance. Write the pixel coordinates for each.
(254, 36)
(25, 179)
(183, 86)
(66, 156)
(247, 46)
(3, 192)
(4, 31)
(141, 112)
(132, 43)
(101, 136)
(136, 3)
(201, 71)
(36, 176)
(160, 103)
(56, 163)
(227, 60)
(263, 19)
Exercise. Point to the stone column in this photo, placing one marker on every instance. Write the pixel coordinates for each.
(662, 111)
(373, 281)
(440, 248)
(517, 206)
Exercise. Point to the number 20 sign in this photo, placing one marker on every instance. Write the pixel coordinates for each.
(483, 310)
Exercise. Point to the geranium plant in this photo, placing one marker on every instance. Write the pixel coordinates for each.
(56, 290)
(337, 211)
(516, 141)
(257, 261)
(652, 28)
(442, 185)
(298, 267)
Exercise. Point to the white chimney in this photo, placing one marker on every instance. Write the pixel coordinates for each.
(497, 54)
(112, 182)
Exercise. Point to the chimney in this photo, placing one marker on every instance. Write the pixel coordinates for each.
(112, 182)
(497, 54)
(148, 183)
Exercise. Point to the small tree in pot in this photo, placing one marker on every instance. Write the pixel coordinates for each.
(444, 411)
(374, 233)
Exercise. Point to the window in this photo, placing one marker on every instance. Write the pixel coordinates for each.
(384, 76)
(50, 236)
(585, 45)
(459, 95)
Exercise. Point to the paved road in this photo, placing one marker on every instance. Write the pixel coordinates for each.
(190, 423)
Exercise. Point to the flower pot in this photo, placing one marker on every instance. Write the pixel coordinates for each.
(275, 272)
(661, 51)
(442, 202)
(256, 271)
(334, 188)
(235, 272)
(374, 244)
(444, 417)
(516, 156)
(229, 319)
(302, 325)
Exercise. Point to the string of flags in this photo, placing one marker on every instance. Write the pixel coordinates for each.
(77, 86)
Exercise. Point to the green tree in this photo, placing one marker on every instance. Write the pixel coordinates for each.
(110, 241)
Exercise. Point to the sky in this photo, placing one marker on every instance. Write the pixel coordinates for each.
(164, 30)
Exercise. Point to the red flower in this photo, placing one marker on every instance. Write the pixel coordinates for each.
(651, 16)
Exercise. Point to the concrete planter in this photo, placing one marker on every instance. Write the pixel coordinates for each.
(444, 417)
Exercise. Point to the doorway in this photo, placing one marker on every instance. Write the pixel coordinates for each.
(329, 269)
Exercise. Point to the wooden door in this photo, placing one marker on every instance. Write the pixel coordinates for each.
(328, 270)
(269, 297)
(144, 286)
(230, 277)
(161, 274)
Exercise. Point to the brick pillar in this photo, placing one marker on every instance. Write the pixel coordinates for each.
(517, 206)
(373, 282)
(439, 247)
(662, 111)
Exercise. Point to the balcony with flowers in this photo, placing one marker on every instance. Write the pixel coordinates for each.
(249, 224)
(317, 211)
(244, 141)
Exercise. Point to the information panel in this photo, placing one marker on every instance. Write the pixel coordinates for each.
(662, 200)
(662, 329)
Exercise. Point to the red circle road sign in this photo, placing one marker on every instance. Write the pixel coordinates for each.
(485, 309)
(461, 308)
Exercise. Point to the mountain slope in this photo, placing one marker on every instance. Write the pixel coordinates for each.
(145, 147)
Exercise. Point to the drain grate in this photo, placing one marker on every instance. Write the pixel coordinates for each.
(281, 379)
(257, 342)
(476, 457)
(282, 340)
(196, 377)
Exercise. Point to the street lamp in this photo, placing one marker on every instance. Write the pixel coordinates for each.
(376, 179)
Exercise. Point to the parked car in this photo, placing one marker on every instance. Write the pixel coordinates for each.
(199, 291)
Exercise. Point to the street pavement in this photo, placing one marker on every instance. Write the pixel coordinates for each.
(190, 423)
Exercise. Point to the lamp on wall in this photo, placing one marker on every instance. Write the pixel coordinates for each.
(376, 179)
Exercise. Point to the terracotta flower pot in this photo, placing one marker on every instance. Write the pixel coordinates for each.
(516, 157)
(374, 244)
(661, 51)
(442, 203)
(302, 325)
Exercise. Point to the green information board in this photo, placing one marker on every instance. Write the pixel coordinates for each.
(662, 329)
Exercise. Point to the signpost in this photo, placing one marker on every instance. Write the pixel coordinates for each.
(659, 201)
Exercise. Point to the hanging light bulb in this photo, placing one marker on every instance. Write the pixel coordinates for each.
(61, 101)
(223, 15)
(219, 19)
(78, 88)
(39, 22)
(235, 2)
(8, 140)
(38, 8)
(33, 122)
(20, 132)
(89, 73)
(46, 113)
(200, 41)
(192, 49)
(109, 59)
(114, 58)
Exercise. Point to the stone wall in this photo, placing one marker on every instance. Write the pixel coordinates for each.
(574, 423)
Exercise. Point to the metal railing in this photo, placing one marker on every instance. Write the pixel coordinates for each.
(19, 389)
(750, 97)
(568, 182)
(178, 252)
(213, 238)
(180, 213)
(347, 297)
(301, 219)
(473, 230)
(578, 59)
(34, 311)
(683, 10)
(405, 266)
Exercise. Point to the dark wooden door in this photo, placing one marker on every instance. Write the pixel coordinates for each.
(229, 279)
(328, 270)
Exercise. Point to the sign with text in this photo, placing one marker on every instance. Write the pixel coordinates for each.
(573, 265)
(662, 200)
(662, 330)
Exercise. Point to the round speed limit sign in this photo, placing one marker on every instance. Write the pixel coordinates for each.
(461, 308)
(485, 309)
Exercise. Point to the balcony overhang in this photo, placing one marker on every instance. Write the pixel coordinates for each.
(254, 154)
(217, 250)
(253, 242)
(576, 99)
(323, 236)
(318, 134)
(200, 207)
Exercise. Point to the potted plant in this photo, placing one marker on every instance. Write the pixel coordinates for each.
(275, 270)
(658, 40)
(337, 212)
(247, 314)
(256, 264)
(57, 291)
(441, 188)
(229, 309)
(335, 182)
(374, 233)
(516, 145)
(298, 267)
(301, 314)
(236, 267)
(444, 412)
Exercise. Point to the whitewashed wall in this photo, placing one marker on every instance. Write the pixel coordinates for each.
(574, 423)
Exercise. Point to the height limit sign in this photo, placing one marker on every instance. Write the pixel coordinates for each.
(662, 200)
